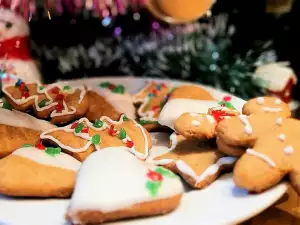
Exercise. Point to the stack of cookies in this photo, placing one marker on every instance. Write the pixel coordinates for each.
(94, 145)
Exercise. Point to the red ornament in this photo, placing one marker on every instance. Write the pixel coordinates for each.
(155, 108)
(111, 86)
(85, 130)
(74, 125)
(40, 146)
(59, 107)
(219, 115)
(112, 131)
(25, 94)
(227, 98)
(59, 97)
(129, 144)
(55, 90)
(15, 48)
(154, 176)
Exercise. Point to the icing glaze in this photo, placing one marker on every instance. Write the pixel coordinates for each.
(279, 121)
(173, 139)
(272, 110)
(265, 158)
(288, 150)
(69, 129)
(194, 114)
(210, 119)
(245, 121)
(196, 123)
(18, 119)
(176, 107)
(281, 137)
(277, 101)
(96, 190)
(123, 103)
(61, 160)
(260, 100)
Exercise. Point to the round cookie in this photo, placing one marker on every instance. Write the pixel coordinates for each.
(191, 92)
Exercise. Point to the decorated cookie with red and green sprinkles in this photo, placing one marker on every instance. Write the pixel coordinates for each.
(83, 137)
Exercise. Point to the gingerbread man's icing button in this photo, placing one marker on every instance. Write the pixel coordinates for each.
(267, 105)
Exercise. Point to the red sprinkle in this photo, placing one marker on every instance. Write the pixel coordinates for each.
(85, 130)
(55, 90)
(22, 86)
(219, 115)
(59, 97)
(25, 94)
(74, 125)
(163, 85)
(154, 176)
(129, 144)
(156, 107)
(227, 98)
(154, 91)
(112, 131)
(111, 86)
(40, 146)
(59, 107)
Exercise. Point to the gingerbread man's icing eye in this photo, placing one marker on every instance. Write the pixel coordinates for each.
(8, 25)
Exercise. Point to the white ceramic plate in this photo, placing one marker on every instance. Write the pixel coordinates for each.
(219, 204)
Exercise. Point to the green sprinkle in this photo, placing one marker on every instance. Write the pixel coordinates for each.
(125, 118)
(78, 128)
(42, 103)
(153, 187)
(6, 105)
(53, 151)
(145, 122)
(119, 89)
(122, 134)
(96, 139)
(98, 124)
(41, 88)
(27, 145)
(229, 105)
(164, 172)
(104, 84)
(221, 103)
(67, 87)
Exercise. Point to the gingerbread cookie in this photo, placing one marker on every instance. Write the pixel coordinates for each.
(199, 164)
(112, 185)
(274, 155)
(38, 171)
(83, 137)
(267, 105)
(60, 102)
(191, 92)
(17, 128)
(109, 100)
(150, 100)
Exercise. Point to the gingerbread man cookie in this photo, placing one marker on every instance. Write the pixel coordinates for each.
(199, 164)
(17, 128)
(274, 155)
(38, 171)
(112, 185)
(237, 133)
(83, 137)
(60, 102)
(150, 100)
(109, 100)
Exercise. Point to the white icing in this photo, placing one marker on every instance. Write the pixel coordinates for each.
(288, 150)
(123, 103)
(196, 123)
(18, 119)
(176, 107)
(265, 158)
(194, 114)
(98, 182)
(210, 119)
(61, 160)
(277, 101)
(281, 137)
(272, 110)
(245, 121)
(68, 129)
(279, 121)
(260, 100)
(173, 139)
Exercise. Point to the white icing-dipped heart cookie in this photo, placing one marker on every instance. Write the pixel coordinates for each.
(113, 184)
(38, 171)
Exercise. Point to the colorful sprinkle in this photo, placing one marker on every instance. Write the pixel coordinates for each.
(125, 118)
(155, 108)
(6, 105)
(129, 144)
(227, 98)
(78, 128)
(158, 87)
(18, 83)
(219, 115)
(42, 103)
(122, 135)
(150, 95)
(55, 90)
(41, 88)
(40, 146)
(153, 187)
(67, 87)
(59, 107)
(25, 94)
(119, 89)
(154, 176)
(53, 151)
(85, 130)
(104, 84)
(164, 172)
(98, 124)
(27, 145)
(74, 125)
(145, 122)
(112, 131)
(59, 97)
(96, 139)
(22, 86)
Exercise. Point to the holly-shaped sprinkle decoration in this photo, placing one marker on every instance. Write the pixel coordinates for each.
(42, 103)
(219, 115)
(41, 88)
(164, 172)
(98, 124)
(59, 107)
(67, 88)
(122, 135)
(40, 146)
(96, 139)
(6, 105)
(129, 144)
(125, 118)
(74, 125)
(104, 84)
(119, 89)
(154, 183)
(27, 145)
(85, 130)
(53, 151)
(78, 128)
(227, 98)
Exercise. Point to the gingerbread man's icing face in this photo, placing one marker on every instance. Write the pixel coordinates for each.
(275, 154)
(12, 25)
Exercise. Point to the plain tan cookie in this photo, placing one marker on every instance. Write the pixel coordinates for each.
(270, 105)
(198, 164)
(274, 155)
(191, 92)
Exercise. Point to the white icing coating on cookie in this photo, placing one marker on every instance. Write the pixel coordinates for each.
(173, 139)
(196, 123)
(281, 137)
(123, 103)
(176, 107)
(277, 101)
(61, 160)
(210, 119)
(260, 100)
(265, 158)
(19, 119)
(279, 121)
(271, 110)
(68, 129)
(288, 150)
(194, 114)
(248, 129)
(98, 182)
